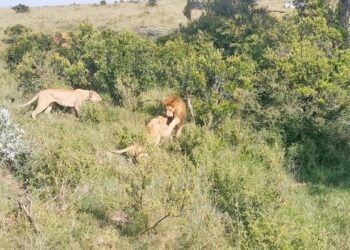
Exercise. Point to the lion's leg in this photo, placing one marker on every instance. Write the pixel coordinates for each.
(157, 139)
(171, 127)
(49, 108)
(77, 110)
(42, 105)
(178, 131)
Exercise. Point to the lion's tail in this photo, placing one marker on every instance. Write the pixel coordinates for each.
(31, 101)
(134, 150)
(121, 151)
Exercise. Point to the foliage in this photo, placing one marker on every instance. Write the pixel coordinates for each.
(13, 151)
(270, 139)
(14, 32)
(62, 163)
(24, 41)
(234, 173)
(92, 112)
(231, 8)
(152, 2)
(21, 8)
(304, 64)
(37, 72)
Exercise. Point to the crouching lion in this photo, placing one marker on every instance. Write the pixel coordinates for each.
(64, 97)
(157, 128)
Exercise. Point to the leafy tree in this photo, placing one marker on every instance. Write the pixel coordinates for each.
(235, 9)
(344, 12)
(21, 8)
(152, 2)
(25, 42)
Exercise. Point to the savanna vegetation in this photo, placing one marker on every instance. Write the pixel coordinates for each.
(262, 163)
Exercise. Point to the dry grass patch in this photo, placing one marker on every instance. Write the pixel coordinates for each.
(167, 15)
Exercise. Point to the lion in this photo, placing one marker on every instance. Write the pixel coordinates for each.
(157, 129)
(176, 112)
(160, 127)
(62, 39)
(47, 98)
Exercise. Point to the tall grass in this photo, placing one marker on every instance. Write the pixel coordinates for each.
(165, 16)
(209, 190)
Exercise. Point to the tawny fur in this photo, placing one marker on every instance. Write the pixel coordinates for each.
(64, 97)
(175, 108)
(157, 129)
(161, 127)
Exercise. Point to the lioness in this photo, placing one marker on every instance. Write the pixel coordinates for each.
(157, 128)
(64, 97)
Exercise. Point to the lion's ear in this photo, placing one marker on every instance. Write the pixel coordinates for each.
(91, 93)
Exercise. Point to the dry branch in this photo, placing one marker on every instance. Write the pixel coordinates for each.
(21, 207)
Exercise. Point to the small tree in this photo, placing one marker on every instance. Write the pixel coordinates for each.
(21, 8)
(152, 3)
(103, 2)
(12, 149)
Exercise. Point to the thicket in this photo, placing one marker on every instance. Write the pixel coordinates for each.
(13, 151)
(21, 8)
(267, 94)
(152, 2)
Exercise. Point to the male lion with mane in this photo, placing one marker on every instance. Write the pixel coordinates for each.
(175, 108)
(160, 127)
(64, 97)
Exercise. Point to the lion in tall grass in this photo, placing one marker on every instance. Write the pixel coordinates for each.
(160, 127)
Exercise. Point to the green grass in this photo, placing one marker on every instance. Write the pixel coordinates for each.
(79, 216)
(78, 185)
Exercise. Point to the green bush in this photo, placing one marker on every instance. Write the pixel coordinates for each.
(38, 71)
(26, 42)
(152, 2)
(270, 98)
(62, 163)
(15, 32)
(21, 8)
(92, 112)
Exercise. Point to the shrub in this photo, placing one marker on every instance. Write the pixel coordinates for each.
(26, 43)
(245, 171)
(12, 149)
(92, 112)
(160, 187)
(15, 32)
(21, 8)
(152, 3)
(103, 59)
(39, 71)
(103, 2)
(62, 163)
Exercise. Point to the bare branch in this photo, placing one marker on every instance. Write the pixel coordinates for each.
(29, 216)
(191, 109)
(276, 11)
(156, 224)
(20, 207)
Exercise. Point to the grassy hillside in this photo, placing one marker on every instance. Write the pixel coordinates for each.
(222, 186)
